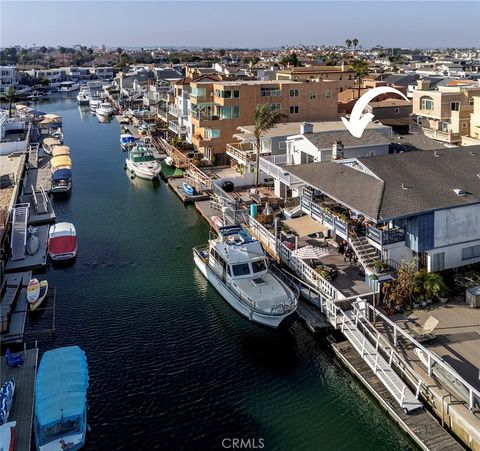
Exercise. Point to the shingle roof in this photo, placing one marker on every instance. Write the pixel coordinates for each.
(407, 184)
(326, 140)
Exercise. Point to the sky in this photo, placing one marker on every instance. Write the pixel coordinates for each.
(229, 23)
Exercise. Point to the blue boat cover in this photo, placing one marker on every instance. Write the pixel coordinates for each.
(62, 174)
(37, 113)
(127, 139)
(61, 386)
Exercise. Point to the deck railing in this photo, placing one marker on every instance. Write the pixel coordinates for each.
(272, 166)
(384, 237)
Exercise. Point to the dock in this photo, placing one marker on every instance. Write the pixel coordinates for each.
(13, 307)
(23, 400)
(207, 211)
(169, 172)
(38, 177)
(177, 185)
(421, 426)
(36, 261)
(312, 317)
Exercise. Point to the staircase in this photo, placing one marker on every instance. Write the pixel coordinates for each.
(366, 253)
(19, 231)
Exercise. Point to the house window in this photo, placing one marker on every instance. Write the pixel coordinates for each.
(426, 103)
(275, 106)
(438, 261)
(328, 94)
(313, 95)
(282, 145)
(464, 125)
(419, 120)
(443, 126)
(470, 252)
(236, 94)
(294, 93)
(454, 106)
(267, 92)
(397, 110)
(294, 109)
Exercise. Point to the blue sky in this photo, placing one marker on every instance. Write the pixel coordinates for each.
(230, 23)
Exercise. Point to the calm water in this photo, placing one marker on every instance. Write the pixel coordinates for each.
(172, 366)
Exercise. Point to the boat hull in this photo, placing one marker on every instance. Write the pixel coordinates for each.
(42, 295)
(272, 321)
(140, 172)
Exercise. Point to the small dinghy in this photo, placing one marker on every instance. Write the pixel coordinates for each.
(37, 294)
(6, 399)
(32, 241)
(190, 190)
(169, 161)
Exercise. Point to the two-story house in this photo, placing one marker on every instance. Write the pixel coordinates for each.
(8, 78)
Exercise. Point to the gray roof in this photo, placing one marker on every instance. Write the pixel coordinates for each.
(401, 80)
(404, 184)
(325, 140)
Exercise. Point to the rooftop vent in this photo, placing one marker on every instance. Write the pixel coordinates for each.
(404, 186)
(435, 153)
(306, 127)
(460, 192)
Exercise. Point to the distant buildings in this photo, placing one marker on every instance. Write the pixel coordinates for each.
(8, 78)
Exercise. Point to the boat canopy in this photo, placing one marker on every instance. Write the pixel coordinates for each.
(127, 138)
(62, 174)
(61, 161)
(61, 386)
(60, 150)
(51, 142)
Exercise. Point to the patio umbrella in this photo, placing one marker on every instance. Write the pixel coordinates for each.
(310, 252)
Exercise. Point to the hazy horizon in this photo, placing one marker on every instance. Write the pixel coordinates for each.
(428, 24)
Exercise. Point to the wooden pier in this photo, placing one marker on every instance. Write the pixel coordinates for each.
(421, 426)
(23, 401)
(177, 185)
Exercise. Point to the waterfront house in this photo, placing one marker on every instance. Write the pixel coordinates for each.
(444, 112)
(8, 79)
(219, 108)
(393, 112)
(416, 204)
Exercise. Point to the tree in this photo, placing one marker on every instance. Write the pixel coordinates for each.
(403, 287)
(10, 95)
(348, 43)
(50, 61)
(44, 81)
(265, 118)
(354, 43)
(222, 52)
(360, 67)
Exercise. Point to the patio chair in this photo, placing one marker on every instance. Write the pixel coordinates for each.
(425, 333)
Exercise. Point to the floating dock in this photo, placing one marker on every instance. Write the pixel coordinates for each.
(35, 261)
(421, 426)
(13, 307)
(177, 185)
(39, 177)
(23, 400)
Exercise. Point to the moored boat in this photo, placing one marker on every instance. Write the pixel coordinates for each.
(236, 265)
(62, 241)
(61, 386)
(61, 181)
(49, 143)
(83, 97)
(141, 163)
(36, 293)
(68, 86)
(127, 141)
(57, 151)
(94, 104)
(169, 161)
(104, 109)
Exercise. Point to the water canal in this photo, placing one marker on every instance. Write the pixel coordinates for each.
(172, 365)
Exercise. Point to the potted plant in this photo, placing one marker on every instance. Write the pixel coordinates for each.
(324, 273)
(378, 266)
(433, 285)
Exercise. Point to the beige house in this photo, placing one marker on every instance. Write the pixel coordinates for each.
(218, 108)
(345, 78)
(444, 113)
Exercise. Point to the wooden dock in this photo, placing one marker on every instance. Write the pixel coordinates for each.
(38, 177)
(36, 261)
(23, 400)
(421, 426)
(207, 211)
(177, 185)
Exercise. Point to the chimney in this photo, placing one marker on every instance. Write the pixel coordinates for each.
(337, 150)
(305, 128)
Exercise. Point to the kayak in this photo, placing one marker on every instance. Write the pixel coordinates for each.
(33, 290)
(41, 297)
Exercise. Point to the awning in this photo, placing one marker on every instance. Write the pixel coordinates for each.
(305, 225)
(61, 161)
(60, 150)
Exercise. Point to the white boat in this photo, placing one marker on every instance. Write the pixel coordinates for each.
(104, 109)
(68, 86)
(83, 97)
(94, 104)
(127, 141)
(141, 163)
(57, 134)
(236, 265)
(33, 243)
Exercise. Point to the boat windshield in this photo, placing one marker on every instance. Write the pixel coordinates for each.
(258, 266)
(241, 269)
(65, 427)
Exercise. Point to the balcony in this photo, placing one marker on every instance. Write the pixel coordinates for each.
(244, 151)
(385, 237)
(449, 136)
(178, 129)
(272, 165)
(174, 111)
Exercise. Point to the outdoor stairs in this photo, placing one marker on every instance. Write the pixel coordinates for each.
(381, 368)
(366, 253)
(19, 231)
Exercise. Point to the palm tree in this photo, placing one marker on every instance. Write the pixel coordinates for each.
(360, 67)
(10, 95)
(348, 43)
(354, 43)
(265, 119)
